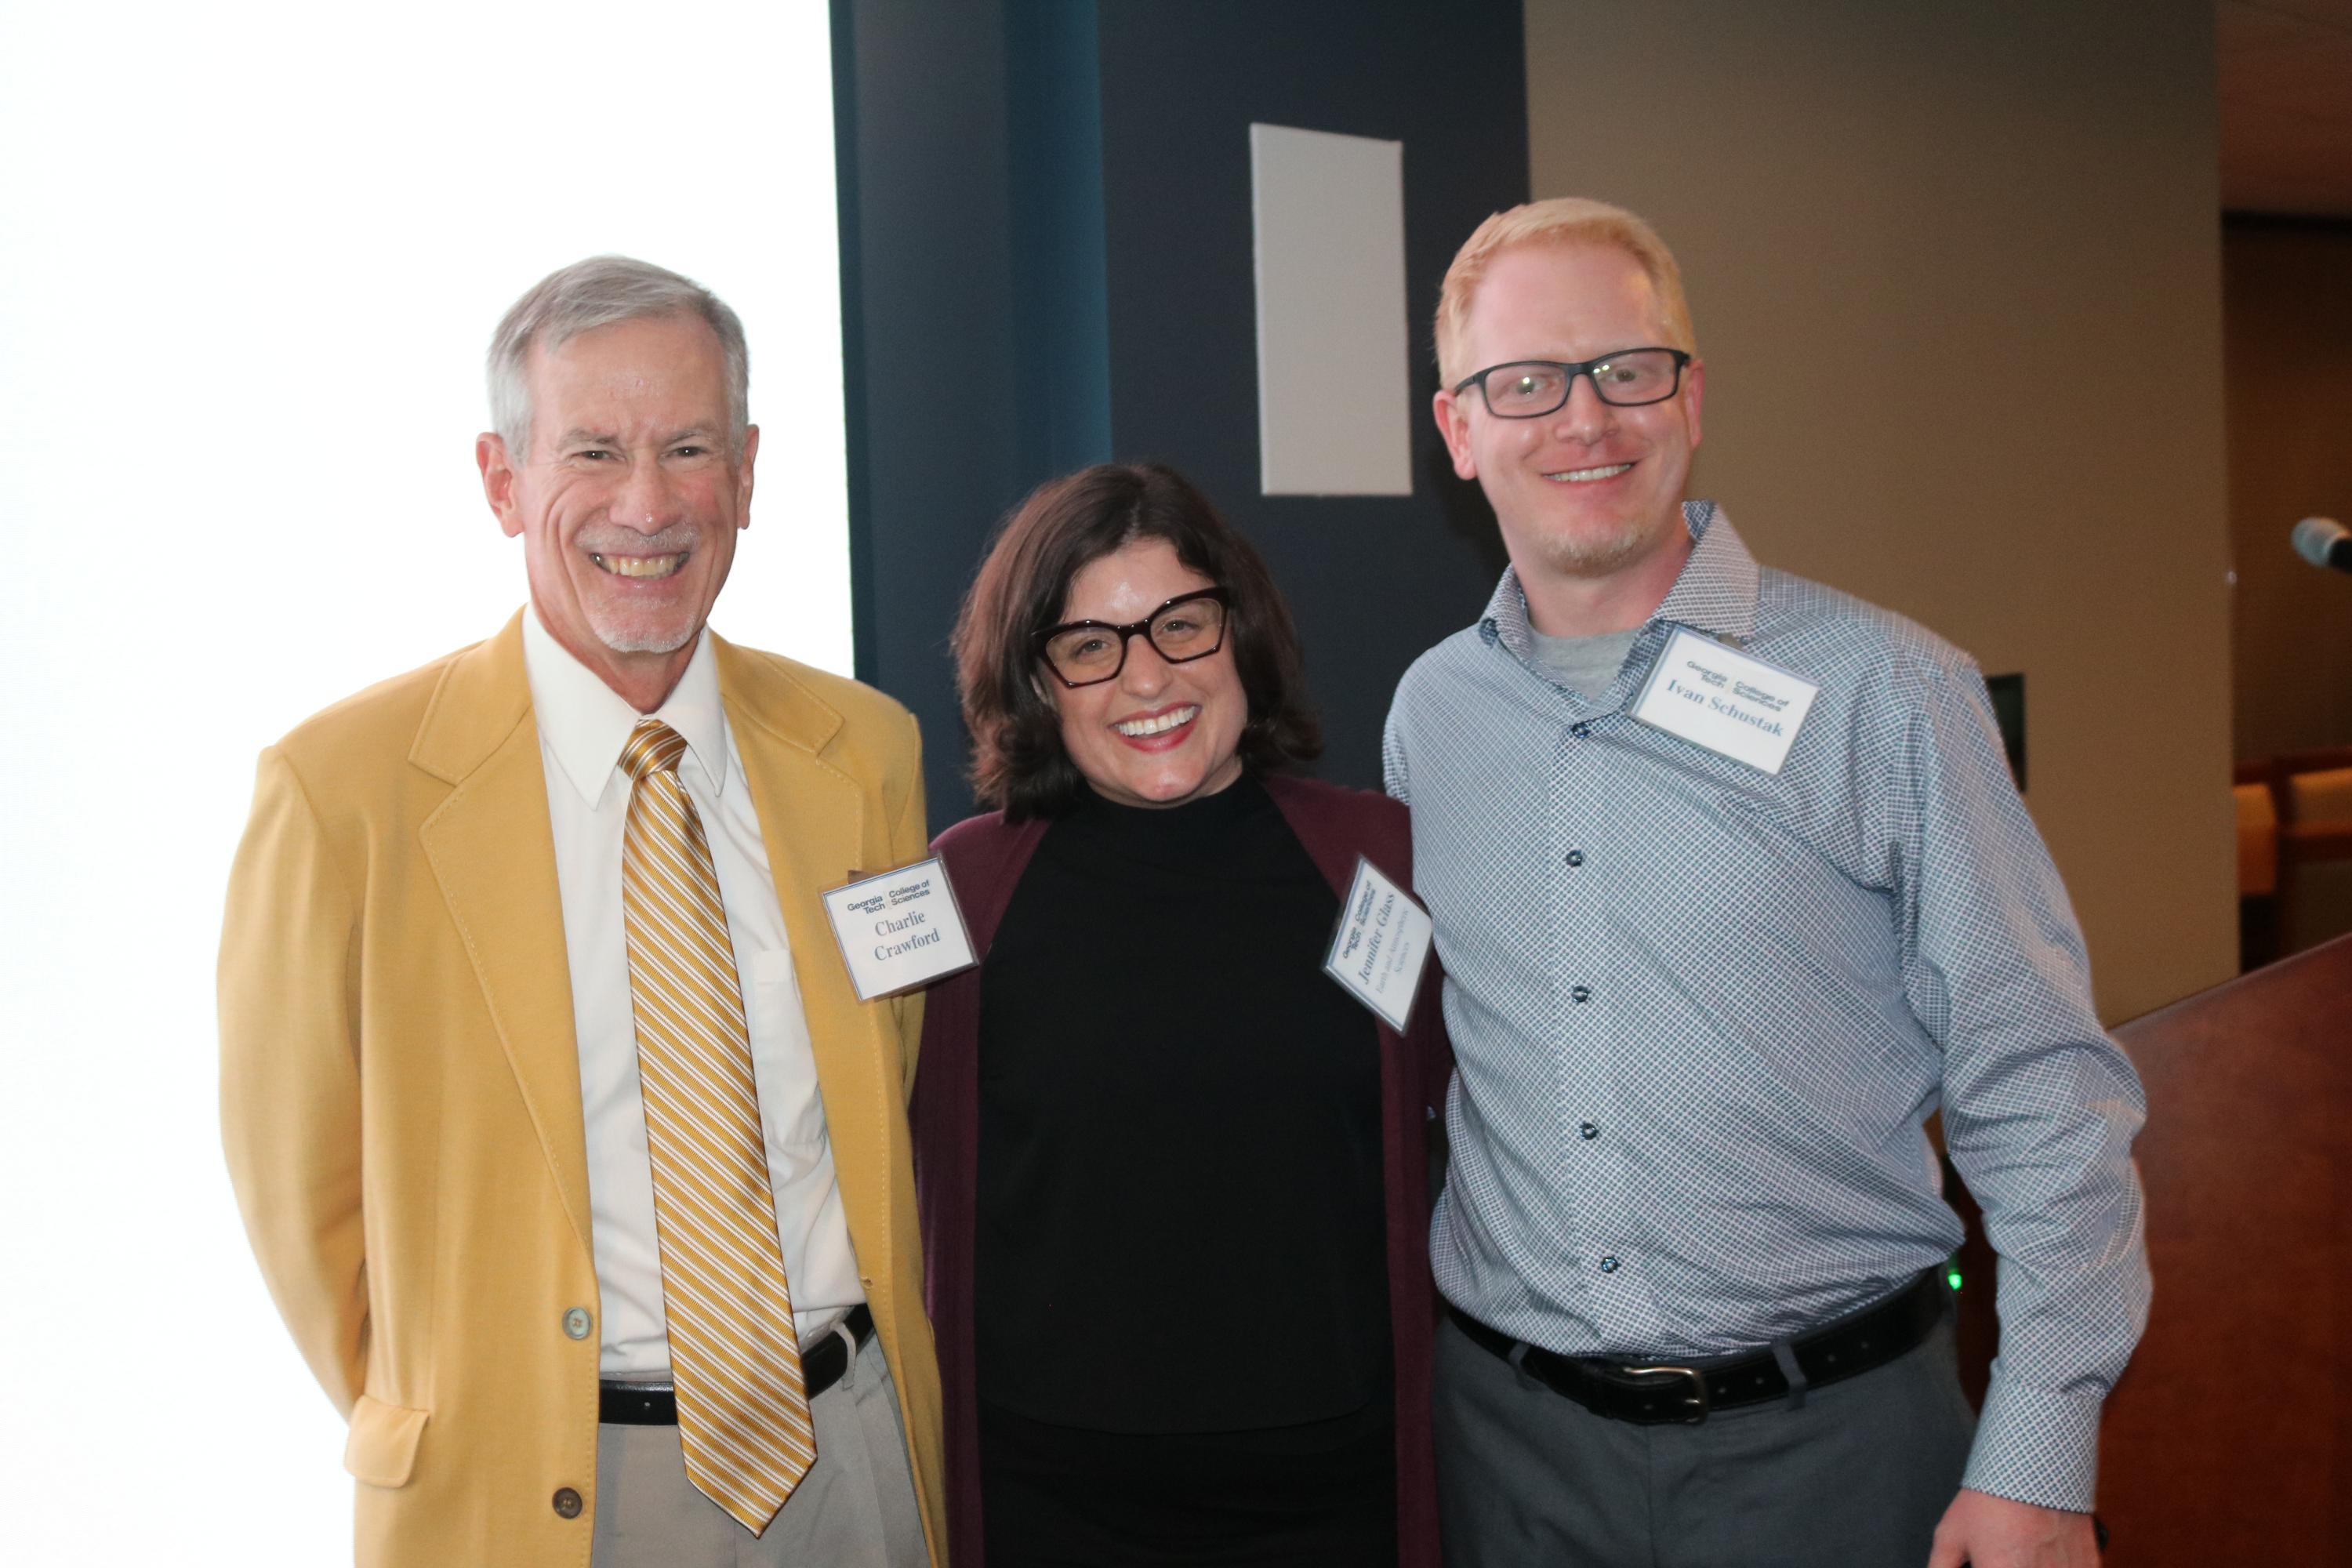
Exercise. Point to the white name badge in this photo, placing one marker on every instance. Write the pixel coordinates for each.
(901, 930)
(1382, 945)
(1720, 699)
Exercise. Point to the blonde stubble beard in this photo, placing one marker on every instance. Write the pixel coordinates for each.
(1579, 554)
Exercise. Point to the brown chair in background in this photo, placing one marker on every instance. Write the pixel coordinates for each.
(2254, 791)
(2313, 790)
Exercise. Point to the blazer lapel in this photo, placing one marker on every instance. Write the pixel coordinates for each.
(493, 853)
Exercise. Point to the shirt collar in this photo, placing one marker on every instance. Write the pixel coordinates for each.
(1714, 593)
(585, 722)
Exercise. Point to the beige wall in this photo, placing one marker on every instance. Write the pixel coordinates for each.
(1956, 272)
(2289, 322)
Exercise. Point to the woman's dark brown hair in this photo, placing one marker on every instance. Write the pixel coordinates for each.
(1017, 759)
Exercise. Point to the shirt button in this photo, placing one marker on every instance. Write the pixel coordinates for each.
(1580, 729)
(1588, 1130)
(577, 1322)
(1580, 994)
(1608, 1265)
(567, 1502)
(1576, 856)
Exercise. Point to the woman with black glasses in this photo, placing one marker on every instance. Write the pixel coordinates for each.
(1171, 1175)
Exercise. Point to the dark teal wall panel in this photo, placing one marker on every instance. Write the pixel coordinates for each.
(1373, 580)
(1048, 261)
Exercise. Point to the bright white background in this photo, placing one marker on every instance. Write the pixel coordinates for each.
(250, 254)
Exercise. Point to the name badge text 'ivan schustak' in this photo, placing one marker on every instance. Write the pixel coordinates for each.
(1380, 946)
(1719, 697)
(899, 930)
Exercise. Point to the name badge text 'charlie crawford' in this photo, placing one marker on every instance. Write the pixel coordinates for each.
(901, 930)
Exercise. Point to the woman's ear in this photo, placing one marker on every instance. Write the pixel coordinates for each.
(1040, 686)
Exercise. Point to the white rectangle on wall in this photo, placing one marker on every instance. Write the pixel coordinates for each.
(1334, 368)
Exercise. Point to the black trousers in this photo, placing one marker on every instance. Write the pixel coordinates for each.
(1321, 1495)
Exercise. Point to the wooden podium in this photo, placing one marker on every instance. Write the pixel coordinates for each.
(2229, 1441)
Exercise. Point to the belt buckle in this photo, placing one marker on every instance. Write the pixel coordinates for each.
(1695, 1400)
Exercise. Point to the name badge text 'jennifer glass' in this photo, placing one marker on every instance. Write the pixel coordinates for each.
(1715, 697)
(901, 930)
(1382, 945)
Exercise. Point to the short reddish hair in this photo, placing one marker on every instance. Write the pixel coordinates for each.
(1562, 220)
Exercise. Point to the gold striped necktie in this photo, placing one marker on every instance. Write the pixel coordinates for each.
(742, 1407)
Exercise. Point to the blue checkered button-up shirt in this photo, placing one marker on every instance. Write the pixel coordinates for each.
(1702, 1012)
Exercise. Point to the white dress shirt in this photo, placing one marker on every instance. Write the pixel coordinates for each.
(583, 725)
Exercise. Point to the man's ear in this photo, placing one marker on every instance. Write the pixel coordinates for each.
(1453, 424)
(743, 478)
(1694, 393)
(497, 480)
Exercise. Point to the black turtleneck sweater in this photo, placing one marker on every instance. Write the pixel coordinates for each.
(1179, 1203)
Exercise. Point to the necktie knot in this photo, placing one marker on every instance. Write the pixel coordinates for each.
(653, 748)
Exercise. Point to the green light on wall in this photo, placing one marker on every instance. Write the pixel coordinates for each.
(1952, 1276)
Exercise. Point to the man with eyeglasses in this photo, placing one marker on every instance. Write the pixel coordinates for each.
(1733, 891)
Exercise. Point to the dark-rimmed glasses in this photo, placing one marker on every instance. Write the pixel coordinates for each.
(1531, 388)
(1087, 653)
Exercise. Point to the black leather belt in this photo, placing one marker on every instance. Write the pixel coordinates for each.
(821, 1365)
(1654, 1396)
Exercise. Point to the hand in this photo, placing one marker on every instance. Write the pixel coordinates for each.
(1987, 1531)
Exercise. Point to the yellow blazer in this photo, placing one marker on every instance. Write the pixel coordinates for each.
(400, 1083)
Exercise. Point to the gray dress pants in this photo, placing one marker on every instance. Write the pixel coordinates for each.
(855, 1508)
(1855, 1478)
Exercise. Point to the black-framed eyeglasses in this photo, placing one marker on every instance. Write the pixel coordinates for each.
(1531, 388)
(1087, 653)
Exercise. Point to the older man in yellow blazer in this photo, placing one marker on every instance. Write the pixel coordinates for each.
(575, 1166)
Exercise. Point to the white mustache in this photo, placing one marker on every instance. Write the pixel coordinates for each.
(677, 538)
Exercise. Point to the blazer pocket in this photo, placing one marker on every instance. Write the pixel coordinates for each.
(382, 1446)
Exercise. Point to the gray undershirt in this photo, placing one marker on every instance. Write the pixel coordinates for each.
(1584, 665)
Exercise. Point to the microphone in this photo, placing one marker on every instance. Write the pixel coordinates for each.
(2324, 541)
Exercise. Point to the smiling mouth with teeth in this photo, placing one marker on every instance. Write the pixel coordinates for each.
(1586, 476)
(1139, 727)
(640, 565)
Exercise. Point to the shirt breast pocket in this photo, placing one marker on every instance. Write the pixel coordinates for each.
(782, 1059)
(772, 966)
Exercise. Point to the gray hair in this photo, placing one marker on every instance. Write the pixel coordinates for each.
(601, 293)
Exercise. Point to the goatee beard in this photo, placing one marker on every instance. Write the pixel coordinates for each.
(1587, 555)
(637, 639)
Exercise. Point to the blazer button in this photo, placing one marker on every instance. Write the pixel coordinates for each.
(577, 1322)
(567, 1502)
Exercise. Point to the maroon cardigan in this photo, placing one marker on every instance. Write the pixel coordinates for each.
(985, 858)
